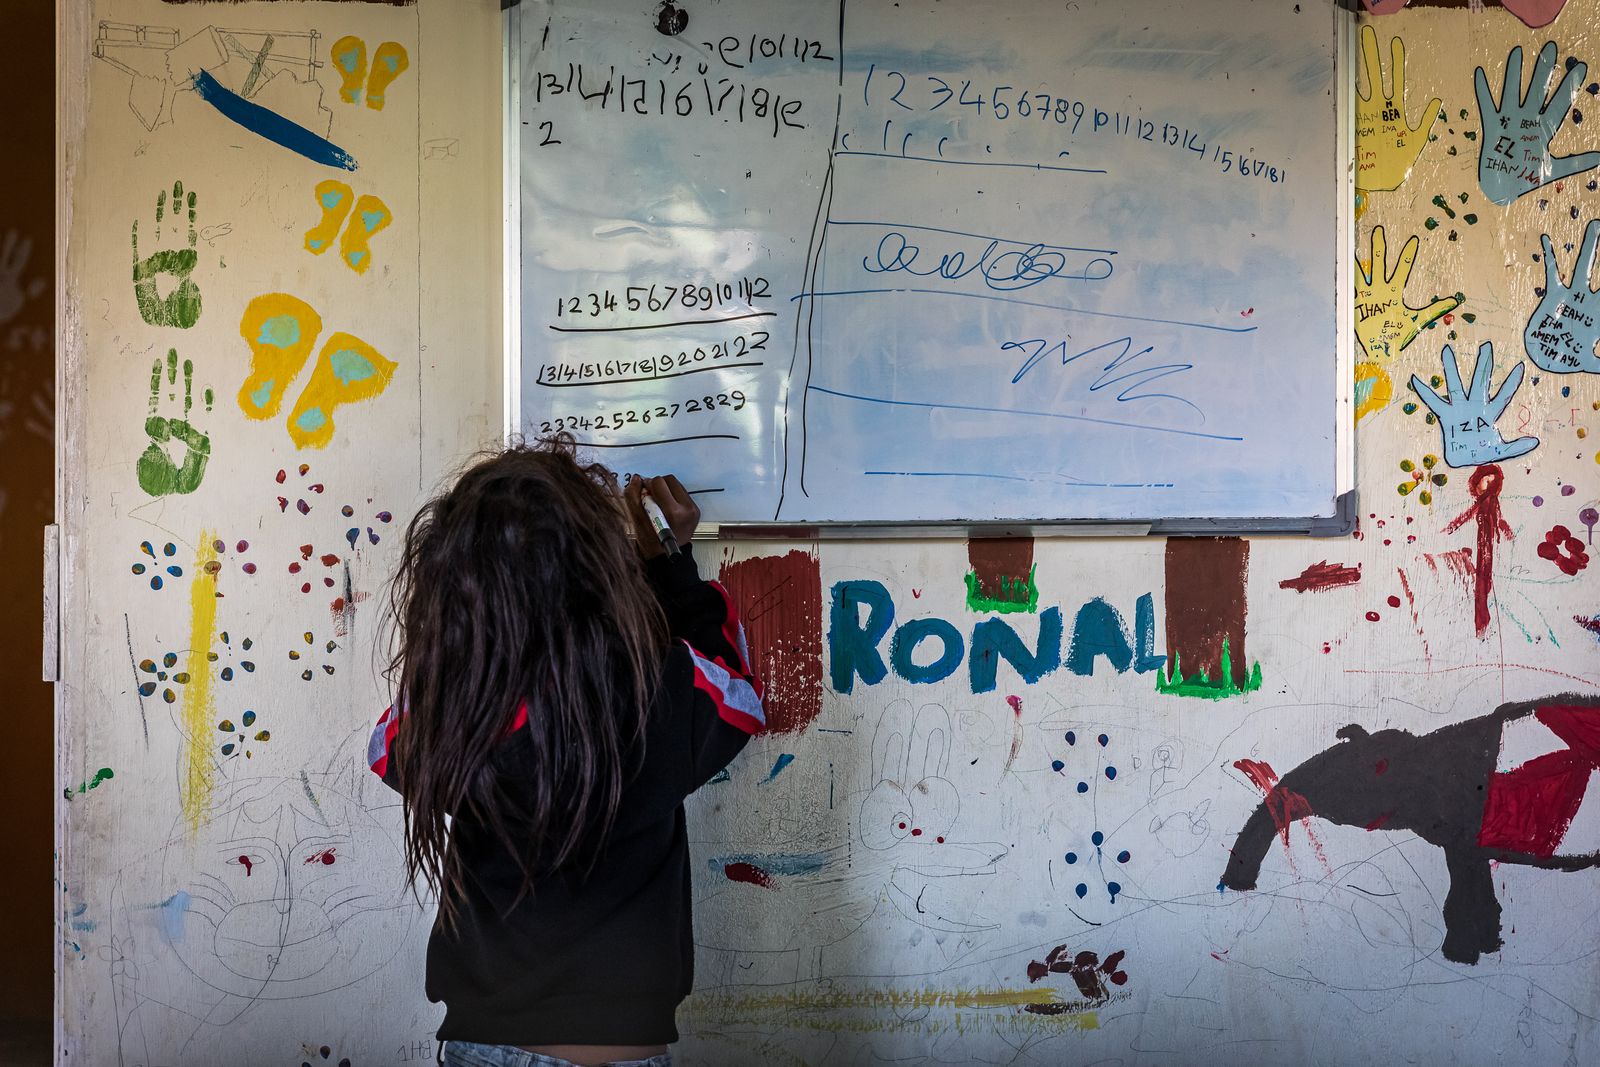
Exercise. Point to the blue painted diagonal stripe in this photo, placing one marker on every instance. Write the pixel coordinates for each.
(271, 125)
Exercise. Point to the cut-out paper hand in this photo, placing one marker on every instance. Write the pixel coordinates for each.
(1535, 13)
(1565, 327)
(1385, 325)
(1514, 154)
(1386, 143)
(159, 474)
(1467, 416)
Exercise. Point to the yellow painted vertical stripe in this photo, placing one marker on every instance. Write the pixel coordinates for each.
(198, 711)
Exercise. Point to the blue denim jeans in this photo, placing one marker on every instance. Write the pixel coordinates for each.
(467, 1054)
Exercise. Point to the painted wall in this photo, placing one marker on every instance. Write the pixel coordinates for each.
(1205, 801)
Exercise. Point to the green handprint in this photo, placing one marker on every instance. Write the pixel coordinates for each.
(1514, 154)
(159, 474)
(181, 306)
(1467, 416)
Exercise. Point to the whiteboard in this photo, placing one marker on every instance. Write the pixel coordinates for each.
(871, 262)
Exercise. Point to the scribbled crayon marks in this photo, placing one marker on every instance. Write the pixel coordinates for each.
(162, 674)
(1592, 624)
(1087, 971)
(156, 568)
(240, 737)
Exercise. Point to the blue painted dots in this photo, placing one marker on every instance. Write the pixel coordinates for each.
(1082, 890)
(1104, 740)
(1098, 838)
(1124, 856)
(1083, 787)
(1111, 773)
(1072, 857)
(1056, 765)
(1113, 888)
(1072, 738)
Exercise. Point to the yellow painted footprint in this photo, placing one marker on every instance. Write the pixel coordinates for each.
(371, 216)
(388, 63)
(348, 370)
(350, 56)
(280, 331)
(334, 197)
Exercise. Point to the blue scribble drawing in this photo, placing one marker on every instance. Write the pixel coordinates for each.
(1467, 416)
(1514, 155)
(1563, 331)
(1008, 270)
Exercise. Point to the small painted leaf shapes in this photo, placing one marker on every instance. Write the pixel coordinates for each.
(155, 568)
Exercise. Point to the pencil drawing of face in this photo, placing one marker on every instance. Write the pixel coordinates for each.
(281, 902)
(289, 890)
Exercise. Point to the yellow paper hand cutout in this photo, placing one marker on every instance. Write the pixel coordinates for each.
(1386, 144)
(1385, 325)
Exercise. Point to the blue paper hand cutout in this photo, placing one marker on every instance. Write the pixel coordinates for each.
(1467, 416)
(1565, 327)
(1514, 154)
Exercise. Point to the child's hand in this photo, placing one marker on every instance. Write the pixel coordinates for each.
(679, 508)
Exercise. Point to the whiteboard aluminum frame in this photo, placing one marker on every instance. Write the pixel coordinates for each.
(1346, 506)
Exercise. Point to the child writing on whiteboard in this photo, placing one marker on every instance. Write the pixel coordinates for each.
(560, 689)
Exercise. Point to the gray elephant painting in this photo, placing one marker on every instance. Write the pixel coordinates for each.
(1511, 786)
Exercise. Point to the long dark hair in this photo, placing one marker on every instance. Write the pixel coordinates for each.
(519, 587)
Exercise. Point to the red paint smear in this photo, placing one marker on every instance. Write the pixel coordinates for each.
(1484, 485)
(1261, 774)
(1016, 729)
(325, 857)
(781, 600)
(1529, 809)
(247, 864)
(1320, 576)
(1286, 808)
(1416, 620)
(1377, 824)
(747, 872)
(330, 560)
(1381, 766)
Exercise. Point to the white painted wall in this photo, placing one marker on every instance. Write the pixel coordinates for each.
(174, 952)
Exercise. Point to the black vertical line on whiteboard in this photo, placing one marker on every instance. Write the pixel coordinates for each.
(813, 260)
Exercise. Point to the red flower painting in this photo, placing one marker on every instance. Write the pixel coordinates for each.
(1564, 550)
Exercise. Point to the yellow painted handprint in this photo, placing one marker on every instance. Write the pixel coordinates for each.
(1386, 144)
(1385, 324)
(280, 331)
